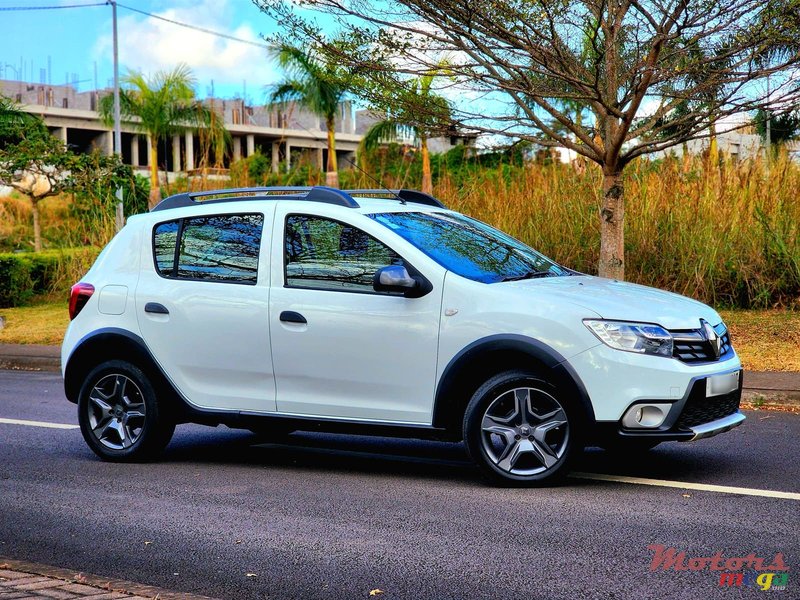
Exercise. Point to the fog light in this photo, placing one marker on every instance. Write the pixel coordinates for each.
(645, 416)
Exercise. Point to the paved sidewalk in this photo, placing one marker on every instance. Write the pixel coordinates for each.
(22, 580)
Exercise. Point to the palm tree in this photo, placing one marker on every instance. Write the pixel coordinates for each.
(431, 113)
(164, 104)
(315, 85)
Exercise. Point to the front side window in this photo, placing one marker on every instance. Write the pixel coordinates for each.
(329, 255)
(221, 248)
(470, 248)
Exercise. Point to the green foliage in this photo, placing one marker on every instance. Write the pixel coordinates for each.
(16, 125)
(253, 170)
(315, 84)
(24, 275)
(163, 103)
(135, 193)
(784, 127)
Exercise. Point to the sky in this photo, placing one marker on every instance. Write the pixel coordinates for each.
(68, 44)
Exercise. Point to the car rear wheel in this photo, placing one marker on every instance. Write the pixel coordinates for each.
(519, 430)
(120, 416)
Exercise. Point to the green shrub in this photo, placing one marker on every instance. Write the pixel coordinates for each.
(16, 286)
(25, 274)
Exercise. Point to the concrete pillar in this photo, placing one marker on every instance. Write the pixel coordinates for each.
(61, 134)
(176, 153)
(251, 144)
(134, 150)
(237, 148)
(276, 150)
(108, 150)
(189, 136)
(288, 156)
(320, 163)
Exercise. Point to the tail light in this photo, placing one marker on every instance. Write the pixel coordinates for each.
(78, 297)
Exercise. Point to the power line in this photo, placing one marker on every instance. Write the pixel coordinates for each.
(218, 34)
(195, 27)
(18, 8)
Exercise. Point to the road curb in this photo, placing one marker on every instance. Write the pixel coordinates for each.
(30, 357)
(94, 584)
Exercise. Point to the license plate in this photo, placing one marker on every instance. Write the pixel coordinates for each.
(716, 385)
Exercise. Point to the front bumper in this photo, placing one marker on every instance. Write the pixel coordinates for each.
(694, 417)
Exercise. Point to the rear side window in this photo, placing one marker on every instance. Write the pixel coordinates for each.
(222, 248)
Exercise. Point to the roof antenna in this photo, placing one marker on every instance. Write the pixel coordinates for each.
(380, 185)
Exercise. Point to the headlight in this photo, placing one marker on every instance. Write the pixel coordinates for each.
(642, 338)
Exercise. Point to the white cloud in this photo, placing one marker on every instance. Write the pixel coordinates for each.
(147, 44)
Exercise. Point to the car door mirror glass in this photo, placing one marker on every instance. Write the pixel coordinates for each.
(395, 276)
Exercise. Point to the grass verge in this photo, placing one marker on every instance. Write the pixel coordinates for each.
(37, 324)
(766, 340)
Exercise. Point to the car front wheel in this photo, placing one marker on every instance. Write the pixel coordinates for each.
(519, 430)
(119, 414)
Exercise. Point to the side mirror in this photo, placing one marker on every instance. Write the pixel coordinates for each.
(396, 278)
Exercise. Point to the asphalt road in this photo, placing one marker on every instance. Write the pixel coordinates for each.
(325, 516)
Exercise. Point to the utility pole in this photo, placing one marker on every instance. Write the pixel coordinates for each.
(120, 216)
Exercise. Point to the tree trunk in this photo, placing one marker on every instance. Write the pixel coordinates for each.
(713, 145)
(37, 230)
(612, 227)
(427, 180)
(155, 192)
(332, 173)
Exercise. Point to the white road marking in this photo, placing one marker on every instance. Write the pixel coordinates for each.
(38, 424)
(704, 487)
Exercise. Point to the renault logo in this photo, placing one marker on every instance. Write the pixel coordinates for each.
(713, 339)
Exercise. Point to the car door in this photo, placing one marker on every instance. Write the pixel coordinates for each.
(340, 349)
(202, 307)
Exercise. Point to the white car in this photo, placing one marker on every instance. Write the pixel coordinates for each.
(381, 312)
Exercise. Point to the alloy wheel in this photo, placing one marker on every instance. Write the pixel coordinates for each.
(525, 431)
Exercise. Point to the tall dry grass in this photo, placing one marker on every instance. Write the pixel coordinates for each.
(726, 234)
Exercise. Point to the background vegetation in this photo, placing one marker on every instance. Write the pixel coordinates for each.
(726, 233)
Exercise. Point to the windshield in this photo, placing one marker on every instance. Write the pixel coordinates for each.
(470, 248)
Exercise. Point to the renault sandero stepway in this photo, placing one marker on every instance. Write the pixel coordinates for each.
(381, 312)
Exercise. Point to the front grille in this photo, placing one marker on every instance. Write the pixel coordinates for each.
(699, 409)
(691, 345)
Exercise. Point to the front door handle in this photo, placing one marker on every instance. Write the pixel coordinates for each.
(156, 308)
(289, 316)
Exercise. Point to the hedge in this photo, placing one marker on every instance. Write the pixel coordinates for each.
(27, 274)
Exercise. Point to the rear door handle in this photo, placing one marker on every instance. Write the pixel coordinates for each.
(155, 307)
(289, 316)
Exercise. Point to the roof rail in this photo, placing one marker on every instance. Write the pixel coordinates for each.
(404, 195)
(312, 194)
(317, 193)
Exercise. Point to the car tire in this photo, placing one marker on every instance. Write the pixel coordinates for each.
(120, 415)
(520, 431)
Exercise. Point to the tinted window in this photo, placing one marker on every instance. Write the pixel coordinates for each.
(470, 248)
(326, 254)
(164, 241)
(215, 248)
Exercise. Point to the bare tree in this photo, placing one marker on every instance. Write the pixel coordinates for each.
(653, 73)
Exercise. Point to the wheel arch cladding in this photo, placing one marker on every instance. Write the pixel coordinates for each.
(495, 354)
(111, 344)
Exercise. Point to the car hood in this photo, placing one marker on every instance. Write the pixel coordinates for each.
(622, 301)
